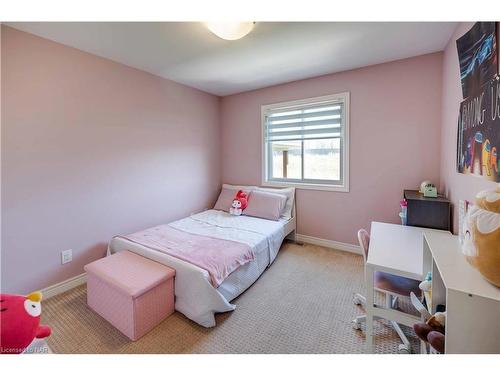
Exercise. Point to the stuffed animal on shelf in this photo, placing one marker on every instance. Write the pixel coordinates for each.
(240, 202)
(425, 285)
(20, 322)
(433, 331)
(481, 228)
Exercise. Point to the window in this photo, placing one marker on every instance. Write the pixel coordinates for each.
(306, 143)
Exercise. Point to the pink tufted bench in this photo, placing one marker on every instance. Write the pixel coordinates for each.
(131, 292)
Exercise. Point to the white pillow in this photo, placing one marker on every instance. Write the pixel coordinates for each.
(290, 195)
(225, 199)
(265, 205)
(246, 188)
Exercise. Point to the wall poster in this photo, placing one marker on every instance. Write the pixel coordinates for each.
(479, 133)
(477, 56)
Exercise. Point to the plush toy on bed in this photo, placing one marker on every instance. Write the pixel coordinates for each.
(20, 322)
(240, 202)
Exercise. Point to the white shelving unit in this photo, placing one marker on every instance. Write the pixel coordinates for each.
(472, 303)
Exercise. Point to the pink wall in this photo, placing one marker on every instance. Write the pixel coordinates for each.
(92, 148)
(456, 185)
(395, 140)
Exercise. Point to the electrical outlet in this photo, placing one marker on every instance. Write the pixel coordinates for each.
(66, 256)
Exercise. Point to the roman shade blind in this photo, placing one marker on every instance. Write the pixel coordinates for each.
(318, 121)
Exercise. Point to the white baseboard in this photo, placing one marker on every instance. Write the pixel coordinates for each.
(63, 286)
(329, 243)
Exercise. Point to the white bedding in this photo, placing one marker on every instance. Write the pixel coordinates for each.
(195, 296)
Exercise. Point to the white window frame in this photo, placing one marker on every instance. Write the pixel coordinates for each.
(344, 187)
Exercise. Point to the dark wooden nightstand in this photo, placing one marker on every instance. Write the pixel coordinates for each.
(427, 212)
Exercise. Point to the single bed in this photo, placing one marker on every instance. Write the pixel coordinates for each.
(195, 295)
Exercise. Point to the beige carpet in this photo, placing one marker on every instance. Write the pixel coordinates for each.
(301, 304)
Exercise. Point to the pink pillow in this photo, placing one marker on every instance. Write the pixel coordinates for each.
(225, 199)
(265, 205)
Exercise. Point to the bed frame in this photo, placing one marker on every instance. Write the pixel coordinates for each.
(196, 298)
(291, 226)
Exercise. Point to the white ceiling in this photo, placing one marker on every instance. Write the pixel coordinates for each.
(273, 53)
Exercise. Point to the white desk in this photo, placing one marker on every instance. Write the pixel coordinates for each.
(398, 250)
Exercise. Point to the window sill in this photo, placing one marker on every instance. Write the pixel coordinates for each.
(298, 185)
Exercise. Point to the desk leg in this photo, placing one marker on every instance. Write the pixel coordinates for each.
(369, 309)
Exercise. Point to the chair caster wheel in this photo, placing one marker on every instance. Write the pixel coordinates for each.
(356, 325)
(357, 301)
(403, 349)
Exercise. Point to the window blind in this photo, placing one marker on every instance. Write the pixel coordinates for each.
(318, 121)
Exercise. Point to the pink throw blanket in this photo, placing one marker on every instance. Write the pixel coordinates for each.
(218, 257)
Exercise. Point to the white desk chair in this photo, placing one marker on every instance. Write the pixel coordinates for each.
(392, 286)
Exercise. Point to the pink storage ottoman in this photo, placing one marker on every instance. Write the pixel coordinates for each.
(130, 291)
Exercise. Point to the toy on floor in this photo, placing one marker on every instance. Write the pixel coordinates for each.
(240, 202)
(433, 331)
(20, 318)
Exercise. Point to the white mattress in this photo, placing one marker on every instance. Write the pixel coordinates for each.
(195, 296)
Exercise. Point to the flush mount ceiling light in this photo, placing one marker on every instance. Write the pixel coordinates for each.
(230, 30)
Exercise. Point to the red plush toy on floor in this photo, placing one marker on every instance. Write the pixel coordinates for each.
(20, 322)
(240, 202)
